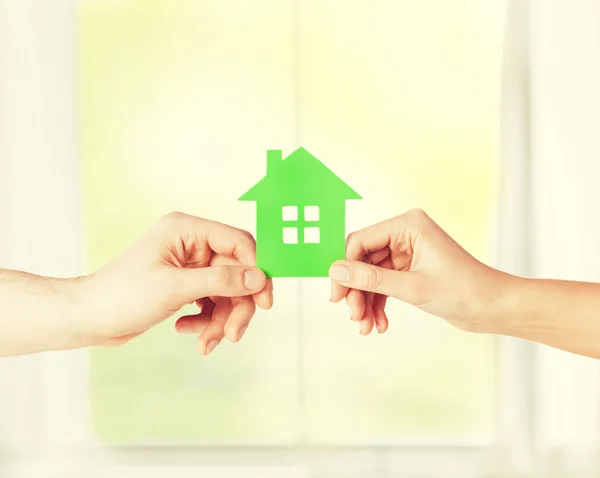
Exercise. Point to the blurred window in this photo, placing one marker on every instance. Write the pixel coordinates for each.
(178, 104)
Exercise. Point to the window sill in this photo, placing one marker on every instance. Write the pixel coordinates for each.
(258, 462)
(78, 471)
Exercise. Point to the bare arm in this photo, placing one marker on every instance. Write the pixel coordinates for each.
(181, 260)
(412, 259)
(38, 313)
(561, 314)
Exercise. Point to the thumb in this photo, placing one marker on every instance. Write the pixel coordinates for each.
(220, 281)
(358, 275)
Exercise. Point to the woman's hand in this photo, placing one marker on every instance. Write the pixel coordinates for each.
(412, 259)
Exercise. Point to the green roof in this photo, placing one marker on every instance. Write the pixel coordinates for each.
(300, 178)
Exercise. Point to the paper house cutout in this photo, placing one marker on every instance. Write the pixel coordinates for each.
(300, 216)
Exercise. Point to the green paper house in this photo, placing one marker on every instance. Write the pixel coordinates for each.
(300, 216)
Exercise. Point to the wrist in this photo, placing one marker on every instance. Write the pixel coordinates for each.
(503, 304)
(491, 299)
(67, 299)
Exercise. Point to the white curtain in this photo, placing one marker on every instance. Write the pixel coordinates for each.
(37, 146)
(550, 218)
(513, 452)
(39, 205)
(565, 154)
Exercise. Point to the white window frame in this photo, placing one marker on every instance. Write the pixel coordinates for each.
(44, 417)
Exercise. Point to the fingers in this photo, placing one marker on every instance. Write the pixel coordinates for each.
(207, 236)
(264, 298)
(405, 286)
(222, 281)
(372, 239)
(378, 257)
(222, 318)
(369, 310)
(195, 324)
(192, 324)
(374, 243)
(367, 322)
(372, 313)
(228, 317)
(356, 301)
(399, 231)
(379, 315)
(239, 318)
(215, 330)
(199, 239)
(371, 245)
(379, 302)
(338, 292)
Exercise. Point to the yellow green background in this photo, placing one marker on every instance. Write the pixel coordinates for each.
(178, 103)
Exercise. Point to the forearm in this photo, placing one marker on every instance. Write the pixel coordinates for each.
(38, 313)
(561, 314)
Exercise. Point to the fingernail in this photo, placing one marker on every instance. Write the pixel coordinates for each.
(185, 329)
(363, 326)
(378, 328)
(339, 273)
(241, 333)
(351, 313)
(253, 279)
(211, 346)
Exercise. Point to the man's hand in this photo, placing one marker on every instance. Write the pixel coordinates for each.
(412, 259)
(181, 260)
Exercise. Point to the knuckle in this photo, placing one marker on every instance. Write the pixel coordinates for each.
(219, 260)
(219, 277)
(369, 278)
(417, 214)
(172, 219)
(352, 242)
(175, 216)
(247, 237)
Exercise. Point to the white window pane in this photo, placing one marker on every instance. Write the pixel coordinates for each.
(311, 213)
(290, 213)
(290, 235)
(210, 116)
(312, 235)
(421, 379)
